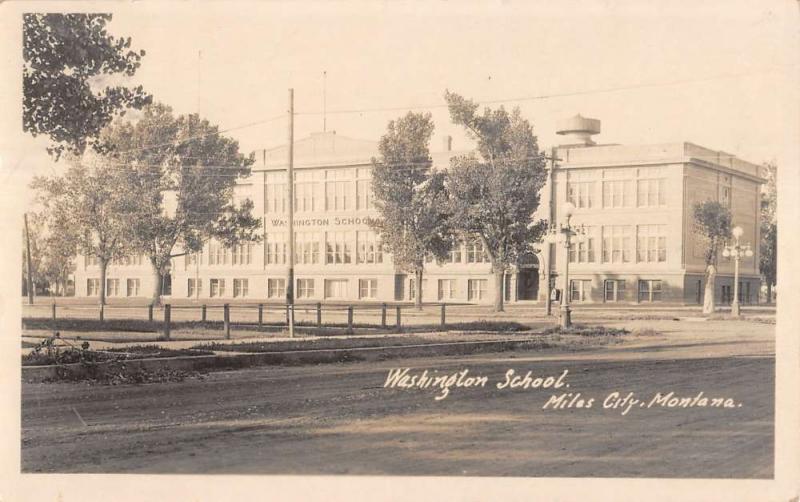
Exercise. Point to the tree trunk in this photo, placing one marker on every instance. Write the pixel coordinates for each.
(418, 289)
(103, 269)
(499, 290)
(708, 294)
(157, 283)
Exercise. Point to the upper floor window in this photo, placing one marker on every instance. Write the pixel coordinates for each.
(618, 193)
(338, 189)
(476, 253)
(275, 192)
(651, 243)
(308, 190)
(617, 244)
(650, 192)
(364, 200)
(581, 194)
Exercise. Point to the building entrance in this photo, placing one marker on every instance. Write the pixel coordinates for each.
(528, 284)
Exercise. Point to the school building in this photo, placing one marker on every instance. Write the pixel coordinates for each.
(635, 203)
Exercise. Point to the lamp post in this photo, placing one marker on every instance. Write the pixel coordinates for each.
(565, 233)
(736, 251)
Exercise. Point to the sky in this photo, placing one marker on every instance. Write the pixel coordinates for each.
(722, 75)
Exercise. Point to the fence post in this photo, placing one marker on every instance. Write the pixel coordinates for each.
(397, 324)
(203, 313)
(226, 316)
(150, 312)
(55, 324)
(319, 314)
(349, 318)
(167, 320)
(443, 314)
(260, 314)
(383, 315)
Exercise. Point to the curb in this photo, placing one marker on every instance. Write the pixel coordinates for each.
(78, 371)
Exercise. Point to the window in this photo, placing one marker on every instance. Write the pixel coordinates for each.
(193, 288)
(650, 290)
(651, 243)
(617, 244)
(240, 287)
(275, 192)
(216, 287)
(581, 194)
(476, 289)
(583, 252)
(305, 288)
(614, 290)
(338, 189)
(132, 287)
(217, 254)
(92, 287)
(128, 260)
(369, 248)
(193, 259)
(240, 255)
(275, 248)
(306, 247)
(364, 189)
(112, 287)
(90, 261)
(650, 192)
(367, 288)
(308, 190)
(338, 248)
(455, 253)
(727, 297)
(276, 288)
(412, 290)
(579, 290)
(447, 289)
(617, 193)
(336, 288)
(475, 251)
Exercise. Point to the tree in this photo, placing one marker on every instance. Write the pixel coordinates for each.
(181, 173)
(768, 255)
(495, 191)
(90, 204)
(60, 248)
(65, 56)
(712, 222)
(414, 222)
(32, 236)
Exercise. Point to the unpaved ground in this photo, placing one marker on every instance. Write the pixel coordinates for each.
(337, 419)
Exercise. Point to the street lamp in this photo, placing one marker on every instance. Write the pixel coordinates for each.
(566, 233)
(736, 251)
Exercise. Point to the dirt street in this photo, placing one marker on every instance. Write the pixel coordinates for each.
(339, 419)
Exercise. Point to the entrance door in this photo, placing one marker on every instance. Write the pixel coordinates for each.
(528, 284)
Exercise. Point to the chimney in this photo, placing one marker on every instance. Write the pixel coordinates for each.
(578, 131)
(447, 143)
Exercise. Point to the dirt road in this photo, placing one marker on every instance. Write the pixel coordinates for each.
(339, 419)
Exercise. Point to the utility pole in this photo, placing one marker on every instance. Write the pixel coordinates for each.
(548, 302)
(324, 101)
(28, 246)
(290, 194)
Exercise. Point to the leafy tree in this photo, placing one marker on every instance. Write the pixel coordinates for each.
(414, 222)
(712, 222)
(495, 191)
(768, 255)
(36, 239)
(60, 248)
(65, 56)
(93, 196)
(181, 174)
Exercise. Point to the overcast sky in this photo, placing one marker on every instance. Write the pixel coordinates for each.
(722, 75)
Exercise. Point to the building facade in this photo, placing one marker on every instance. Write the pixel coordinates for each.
(634, 202)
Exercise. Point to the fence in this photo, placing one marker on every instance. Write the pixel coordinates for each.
(346, 317)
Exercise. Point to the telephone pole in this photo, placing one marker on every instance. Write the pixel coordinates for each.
(28, 247)
(290, 194)
(548, 301)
